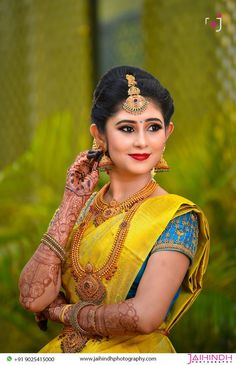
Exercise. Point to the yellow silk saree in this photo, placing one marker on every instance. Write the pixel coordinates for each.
(148, 223)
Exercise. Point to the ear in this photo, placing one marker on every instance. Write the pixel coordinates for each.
(169, 129)
(98, 136)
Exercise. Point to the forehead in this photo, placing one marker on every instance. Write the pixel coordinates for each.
(151, 111)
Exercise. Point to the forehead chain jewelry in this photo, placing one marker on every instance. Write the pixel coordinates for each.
(135, 103)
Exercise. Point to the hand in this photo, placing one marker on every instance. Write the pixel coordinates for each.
(83, 174)
(51, 312)
(41, 321)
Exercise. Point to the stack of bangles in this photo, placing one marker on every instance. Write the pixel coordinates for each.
(54, 246)
(93, 327)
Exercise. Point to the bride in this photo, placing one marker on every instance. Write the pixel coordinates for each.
(119, 267)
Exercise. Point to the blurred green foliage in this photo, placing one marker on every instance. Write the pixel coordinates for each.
(30, 192)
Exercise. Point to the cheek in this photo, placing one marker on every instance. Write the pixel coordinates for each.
(158, 142)
(117, 143)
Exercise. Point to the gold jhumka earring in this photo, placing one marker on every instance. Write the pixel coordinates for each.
(135, 103)
(161, 166)
(105, 164)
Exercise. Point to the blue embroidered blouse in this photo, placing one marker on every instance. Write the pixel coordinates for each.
(181, 234)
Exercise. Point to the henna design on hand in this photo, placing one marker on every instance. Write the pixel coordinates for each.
(65, 217)
(52, 312)
(37, 275)
(41, 318)
(40, 280)
(108, 320)
(121, 320)
(82, 176)
(111, 319)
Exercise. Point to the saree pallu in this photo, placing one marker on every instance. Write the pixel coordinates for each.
(148, 223)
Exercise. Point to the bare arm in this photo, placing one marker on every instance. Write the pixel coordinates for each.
(145, 312)
(40, 280)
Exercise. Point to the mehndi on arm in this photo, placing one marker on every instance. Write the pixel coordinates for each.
(40, 280)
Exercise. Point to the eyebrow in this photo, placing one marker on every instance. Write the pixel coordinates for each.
(135, 122)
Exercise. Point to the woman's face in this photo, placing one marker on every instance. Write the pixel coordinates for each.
(128, 134)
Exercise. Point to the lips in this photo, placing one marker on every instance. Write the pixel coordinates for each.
(140, 156)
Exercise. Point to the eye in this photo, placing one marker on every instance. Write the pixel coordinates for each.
(126, 129)
(155, 127)
(129, 129)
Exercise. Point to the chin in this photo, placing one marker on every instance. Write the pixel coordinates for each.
(139, 171)
(133, 169)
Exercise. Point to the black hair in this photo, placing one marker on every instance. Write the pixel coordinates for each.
(112, 90)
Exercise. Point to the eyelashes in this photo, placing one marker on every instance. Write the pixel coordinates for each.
(129, 129)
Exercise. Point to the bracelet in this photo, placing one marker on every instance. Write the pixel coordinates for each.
(74, 317)
(63, 312)
(50, 242)
(54, 242)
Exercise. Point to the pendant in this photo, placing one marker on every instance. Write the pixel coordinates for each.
(90, 288)
(109, 212)
(72, 341)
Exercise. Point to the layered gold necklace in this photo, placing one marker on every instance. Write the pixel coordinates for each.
(89, 279)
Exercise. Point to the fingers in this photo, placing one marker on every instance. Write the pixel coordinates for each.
(95, 157)
(95, 168)
(85, 165)
(95, 154)
(41, 321)
(90, 181)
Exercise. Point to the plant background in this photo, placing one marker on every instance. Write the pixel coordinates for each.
(52, 53)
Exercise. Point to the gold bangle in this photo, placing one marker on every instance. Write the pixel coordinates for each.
(50, 242)
(54, 249)
(56, 244)
(74, 317)
(63, 312)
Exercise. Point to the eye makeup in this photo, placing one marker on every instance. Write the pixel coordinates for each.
(156, 128)
(141, 121)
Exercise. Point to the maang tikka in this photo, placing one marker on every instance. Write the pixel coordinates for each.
(135, 103)
(105, 164)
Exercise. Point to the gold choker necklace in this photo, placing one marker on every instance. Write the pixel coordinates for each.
(103, 210)
(88, 278)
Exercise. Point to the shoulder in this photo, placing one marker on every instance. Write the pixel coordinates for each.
(162, 193)
(159, 191)
(181, 234)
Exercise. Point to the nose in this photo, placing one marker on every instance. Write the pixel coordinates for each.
(140, 139)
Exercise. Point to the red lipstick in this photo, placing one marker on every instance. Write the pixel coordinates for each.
(140, 156)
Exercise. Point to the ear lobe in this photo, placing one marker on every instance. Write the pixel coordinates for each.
(170, 129)
(93, 129)
(96, 135)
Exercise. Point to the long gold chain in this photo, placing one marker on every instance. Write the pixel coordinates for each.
(89, 278)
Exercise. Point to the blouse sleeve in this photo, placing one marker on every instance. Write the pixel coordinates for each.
(181, 235)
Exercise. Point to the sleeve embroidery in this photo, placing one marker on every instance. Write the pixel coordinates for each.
(181, 235)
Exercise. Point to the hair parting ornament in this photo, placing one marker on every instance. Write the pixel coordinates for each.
(135, 103)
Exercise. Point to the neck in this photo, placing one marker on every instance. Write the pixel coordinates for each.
(122, 187)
